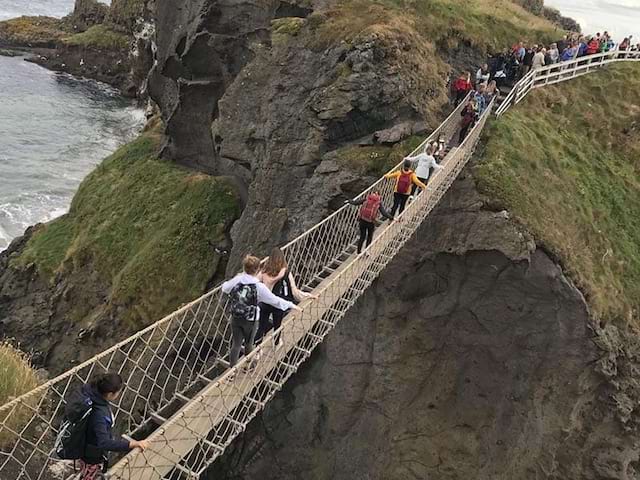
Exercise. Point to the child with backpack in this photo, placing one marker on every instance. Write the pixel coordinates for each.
(246, 292)
(370, 206)
(276, 277)
(86, 434)
(405, 178)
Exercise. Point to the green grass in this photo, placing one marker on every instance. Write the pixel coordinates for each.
(145, 227)
(99, 37)
(32, 31)
(16, 378)
(488, 25)
(566, 162)
(287, 26)
(376, 160)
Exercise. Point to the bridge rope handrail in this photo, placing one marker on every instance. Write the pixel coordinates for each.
(177, 365)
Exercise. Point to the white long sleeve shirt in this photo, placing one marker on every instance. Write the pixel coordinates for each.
(538, 60)
(425, 163)
(264, 294)
(482, 77)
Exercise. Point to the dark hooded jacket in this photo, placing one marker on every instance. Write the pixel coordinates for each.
(99, 430)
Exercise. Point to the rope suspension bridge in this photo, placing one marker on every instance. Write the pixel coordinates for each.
(179, 390)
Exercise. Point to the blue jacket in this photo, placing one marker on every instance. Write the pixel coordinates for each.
(99, 430)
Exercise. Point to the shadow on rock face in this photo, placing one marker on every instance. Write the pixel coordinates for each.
(202, 47)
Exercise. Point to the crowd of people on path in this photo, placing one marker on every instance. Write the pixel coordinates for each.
(510, 65)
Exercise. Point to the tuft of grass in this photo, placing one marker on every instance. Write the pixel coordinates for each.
(32, 32)
(287, 26)
(376, 160)
(145, 227)
(566, 162)
(16, 378)
(99, 37)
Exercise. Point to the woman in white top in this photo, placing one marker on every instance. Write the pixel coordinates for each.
(425, 162)
(482, 75)
(276, 277)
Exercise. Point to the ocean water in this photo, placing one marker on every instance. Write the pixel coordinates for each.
(52, 8)
(621, 18)
(53, 130)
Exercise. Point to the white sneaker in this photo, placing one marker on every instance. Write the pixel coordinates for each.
(411, 198)
(279, 343)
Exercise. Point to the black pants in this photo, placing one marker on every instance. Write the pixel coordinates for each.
(460, 96)
(268, 314)
(399, 202)
(366, 233)
(242, 331)
(464, 131)
(423, 180)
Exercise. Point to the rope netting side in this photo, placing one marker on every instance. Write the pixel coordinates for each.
(189, 442)
(164, 363)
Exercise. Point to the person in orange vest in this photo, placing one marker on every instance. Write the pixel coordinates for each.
(370, 207)
(405, 179)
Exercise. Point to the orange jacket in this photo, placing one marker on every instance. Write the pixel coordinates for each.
(414, 180)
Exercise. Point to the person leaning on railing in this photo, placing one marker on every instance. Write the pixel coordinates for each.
(246, 292)
(277, 277)
(370, 208)
(86, 434)
(425, 162)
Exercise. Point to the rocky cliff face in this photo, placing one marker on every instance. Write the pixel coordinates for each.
(282, 117)
(472, 356)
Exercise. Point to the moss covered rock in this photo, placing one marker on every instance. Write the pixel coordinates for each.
(87, 13)
(43, 32)
(126, 13)
(99, 37)
(142, 227)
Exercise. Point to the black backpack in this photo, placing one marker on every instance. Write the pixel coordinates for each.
(283, 288)
(244, 302)
(71, 440)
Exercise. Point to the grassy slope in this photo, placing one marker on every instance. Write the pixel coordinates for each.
(145, 226)
(566, 162)
(16, 377)
(485, 24)
(100, 37)
(34, 31)
(418, 33)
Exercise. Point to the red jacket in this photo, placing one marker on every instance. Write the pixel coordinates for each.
(461, 85)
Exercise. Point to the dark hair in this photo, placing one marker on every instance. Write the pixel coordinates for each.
(275, 263)
(406, 165)
(108, 383)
